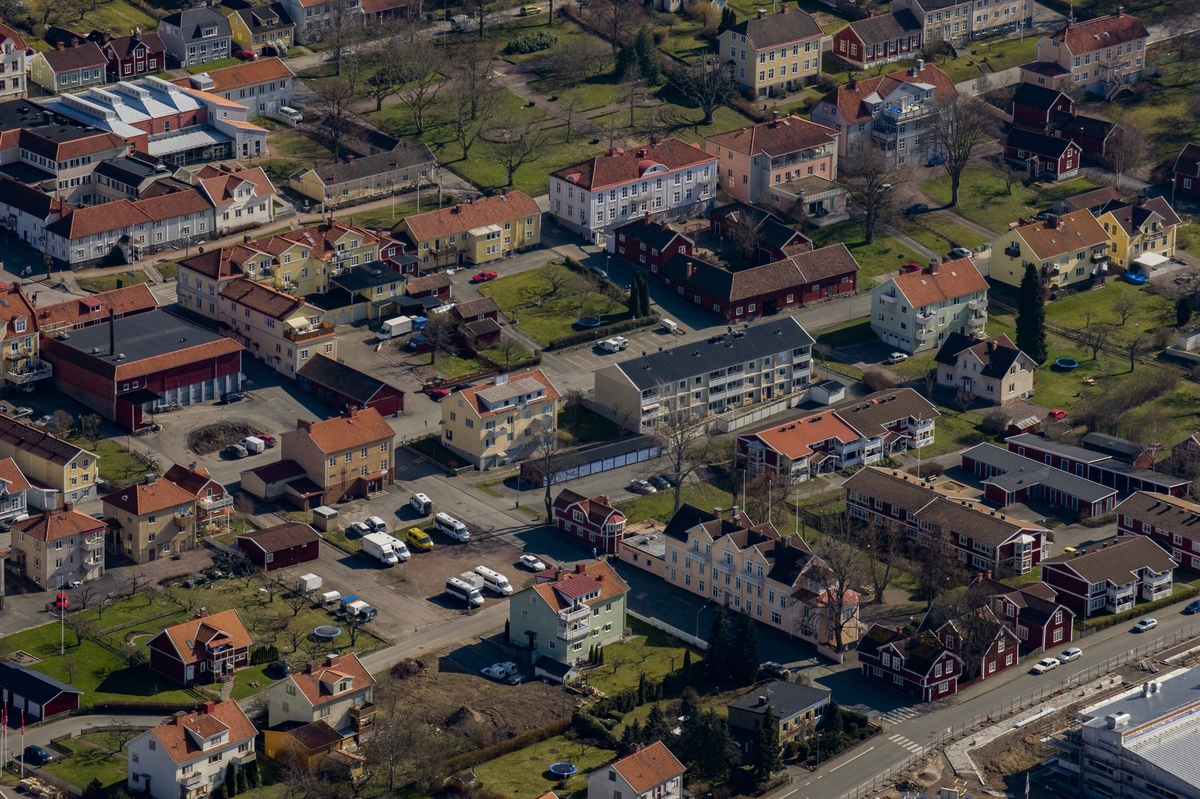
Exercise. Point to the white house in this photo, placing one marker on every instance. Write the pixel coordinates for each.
(338, 692)
(12, 64)
(667, 179)
(917, 310)
(651, 771)
(186, 756)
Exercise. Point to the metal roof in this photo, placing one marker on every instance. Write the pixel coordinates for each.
(1021, 473)
(496, 395)
(186, 140)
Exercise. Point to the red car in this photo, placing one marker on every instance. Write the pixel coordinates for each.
(484, 277)
(1057, 414)
(438, 394)
(268, 439)
(245, 55)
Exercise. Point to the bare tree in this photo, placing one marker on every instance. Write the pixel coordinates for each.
(297, 601)
(960, 124)
(354, 627)
(1134, 346)
(871, 178)
(546, 454)
(335, 102)
(685, 442)
(1095, 338)
(294, 636)
(1126, 152)
(60, 424)
(463, 122)
(841, 575)
(243, 506)
(70, 669)
(138, 583)
(89, 427)
(474, 76)
(104, 604)
(571, 66)
(934, 567)
(572, 103)
(85, 596)
(481, 11)
(441, 331)
(122, 732)
(1087, 314)
(419, 70)
(515, 143)
(884, 545)
(271, 583)
(707, 82)
(83, 627)
(1124, 306)
(616, 18)
(399, 748)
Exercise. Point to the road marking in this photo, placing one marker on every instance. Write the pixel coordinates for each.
(848, 762)
(789, 793)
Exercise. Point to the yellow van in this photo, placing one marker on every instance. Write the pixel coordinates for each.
(529, 11)
(419, 539)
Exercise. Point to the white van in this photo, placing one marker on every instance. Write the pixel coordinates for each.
(394, 327)
(494, 580)
(451, 527)
(421, 503)
(288, 116)
(464, 591)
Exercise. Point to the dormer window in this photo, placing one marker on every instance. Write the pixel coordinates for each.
(209, 32)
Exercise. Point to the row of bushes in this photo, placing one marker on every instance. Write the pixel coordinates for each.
(527, 738)
(597, 333)
(264, 654)
(531, 43)
(1105, 622)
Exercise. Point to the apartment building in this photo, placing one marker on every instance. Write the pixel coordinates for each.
(477, 232)
(668, 179)
(977, 536)
(56, 155)
(262, 86)
(57, 472)
(1009, 478)
(1032, 610)
(879, 39)
(1068, 251)
(992, 369)
(131, 56)
(241, 198)
(58, 546)
(774, 54)
(196, 36)
(796, 708)
(500, 423)
(1171, 522)
(13, 490)
(1142, 233)
(770, 360)
(861, 432)
(189, 754)
(955, 20)
(12, 64)
(313, 18)
(279, 329)
(753, 160)
(21, 364)
(357, 180)
(1098, 467)
(1110, 576)
(750, 568)
(919, 309)
(1101, 55)
(150, 520)
(338, 691)
(650, 771)
(893, 113)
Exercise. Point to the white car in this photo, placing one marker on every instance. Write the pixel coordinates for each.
(1144, 625)
(1044, 665)
(961, 252)
(532, 563)
(1074, 653)
(642, 487)
(614, 344)
(896, 357)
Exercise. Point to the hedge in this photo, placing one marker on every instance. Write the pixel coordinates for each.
(531, 43)
(596, 333)
(508, 746)
(1105, 622)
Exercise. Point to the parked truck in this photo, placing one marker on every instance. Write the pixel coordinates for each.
(460, 23)
(360, 610)
(253, 444)
(394, 327)
(379, 546)
(308, 582)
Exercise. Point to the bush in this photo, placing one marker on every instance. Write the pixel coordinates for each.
(995, 423)
(531, 43)
(264, 654)
(927, 469)
(1118, 618)
(527, 738)
(589, 728)
(1099, 520)
(876, 379)
(660, 35)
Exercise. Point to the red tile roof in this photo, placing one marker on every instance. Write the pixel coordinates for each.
(59, 524)
(316, 682)
(125, 300)
(552, 589)
(1101, 32)
(262, 298)
(94, 219)
(182, 747)
(142, 498)
(221, 189)
(471, 394)
(221, 263)
(191, 638)
(777, 137)
(15, 305)
(8, 33)
(14, 480)
(468, 216)
(282, 536)
(239, 76)
(361, 427)
(625, 166)
(1055, 235)
(849, 98)
(175, 204)
(598, 509)
(795, 439)
(951, 280)
(648, 767)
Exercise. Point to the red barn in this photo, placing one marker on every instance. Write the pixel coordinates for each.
(593, 522)
(918, 665)
(344, 387)
(203, 649)
(878, 40)
(125, 368)
(648, 243)
(32, 696)
(281, 546)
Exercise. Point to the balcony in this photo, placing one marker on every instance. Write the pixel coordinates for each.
(185, 518)
(924, 334)
(888, 298)
(905, 114)
(93, 544)
(581, 613)
(1099, 255)
(977, 321)
(363, 715)
(210, 504)
(94, 561)
(571, 632)
(977, 304)
(309, 332)
(925, 318)
(22, 373)
(697, 555)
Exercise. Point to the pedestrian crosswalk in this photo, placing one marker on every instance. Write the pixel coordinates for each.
(900, 714)
(901, 741)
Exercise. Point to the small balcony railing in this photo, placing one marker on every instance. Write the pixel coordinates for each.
(570, 632)
(308, 333)
(888, 298)
(93, 544)
(926, 318)
(1099, 256)
(21, 376)
(977, 304)
(363, 715)
(924, 334)
(210, 504)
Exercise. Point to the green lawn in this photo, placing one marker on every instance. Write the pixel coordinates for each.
(211, 65)
(557, 318)
(518, 289)
(984, 200)
(117, 15)
(295, 144)
(388, 218)
(597, 92)
(1000, 52)
(453, 367)
(339, 539)
(515, 355)
(115, 462)
(856, 331)
(1166, 114)
(661, 506)
(525, 773)
(168, 269)
(942, 234)
(953, 431)
(673, 120)
(433, 448)
(112, 281)
(242, 679)
(87, 763)
(584, 426)
(1152, 310)
(279, 170)
(649, 650)
(881, 256)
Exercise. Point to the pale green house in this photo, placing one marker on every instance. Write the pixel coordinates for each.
(564, 614)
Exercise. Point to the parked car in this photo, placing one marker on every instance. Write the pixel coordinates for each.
(659, 483)
(421, 503)
(936, 160)
(245, 55)
(268, 439)
(896, 357)
(232, 396)
(358, 529)
(916, 209)
(277, 671)
(485, 276)
(236, 451)
(1145, 624)
(642, 487)
(21, 413)
(1058, 413)
(961, 252)
(419, 539)
(532, 563)
(1074, 653)
(1044, 665)
(614, 344)
(1192, 607)
(36, 756)
(438, 394)
(668, 479)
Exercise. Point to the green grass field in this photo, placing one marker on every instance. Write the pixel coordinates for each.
(87, 763)
(846, 334)
(557, 318)
(388, 218)
(1071, 311)
(295, 144)
(112, 281)
(649, 650)
(672, 120)
(881, 256)
(941, 234)
(984, 200)
(518, 289)
(211, 65)
(661, 506)
(453, 367)
(583, 426)
(525, 773)
(115, 463)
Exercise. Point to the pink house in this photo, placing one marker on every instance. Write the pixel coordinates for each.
(771, 154)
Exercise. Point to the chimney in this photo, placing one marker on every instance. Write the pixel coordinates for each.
(456, 209)
(332, 659)
(112, 332)
(918, 66)
(775, 116)
(579, 568)
(762, 700)
(349, 159)
(353, 412)
(933, 267)
(207, 707)
(761, 13)
(150, 479)
(303, 424)
(74, 42)
(988, 574)
(717, 512)
(852, 85)
(60, 45)
(203, 613)
(690, 269)
(68, 507)
(783, 9)
(735, 513)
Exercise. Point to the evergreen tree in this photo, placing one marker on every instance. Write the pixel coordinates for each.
(641, 53)
(831, 720)
(1031, 316)
(600, 655)
(657, 728)
(634, 303)
(687, 659)
(242, 782)
(720, 649)
(631, 737)
(231, 779)
(768, 754)
(643, 296)
(706, 746)
(255, 775)
(221, 792)
(94, 790)
(1183, 312)
(744, 657)
(728, 20)
(689, 703)
(641, 689)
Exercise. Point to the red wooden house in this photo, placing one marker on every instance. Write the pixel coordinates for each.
(1033, 105)
(1173, 523)
(648, 243)
(281, 546)
(1042, 155)
(918, 665)
(1002, 646)
(1186, 170)
(394, 254)
(428, 286)
(1110, 577)
(131, 56)
(29, 695)
(203, 649)
(1095, 466)
(480, 318)
(1032, 610)
(878, 40)
(591, 521)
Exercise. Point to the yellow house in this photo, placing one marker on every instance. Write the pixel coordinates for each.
(58, 472)
(150, 520)
(357, 179)
(265, 30)
(496, 424)
(311, 746)
(773, 54)
(1141, 233)
(279, 329)
(477, 232)
(1068, 250)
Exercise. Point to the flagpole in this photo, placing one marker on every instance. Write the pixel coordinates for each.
(22, 743)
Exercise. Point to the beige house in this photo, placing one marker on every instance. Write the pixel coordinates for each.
(338, 692)
(58, 547)
(20, 359)
(478, 232)
(994, 370)
(498, 424)
(1068, 250)
(1141, 232)
(1099, 54)
(279, 329)
(360, 179)
(150, 520)
(242, 198)
(303, 260)
(58, 472)
(774, 51)
(214, 505)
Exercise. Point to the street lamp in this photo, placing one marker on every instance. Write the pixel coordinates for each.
(702, 607)
(1172, 192)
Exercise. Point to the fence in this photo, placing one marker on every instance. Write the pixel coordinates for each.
(735, 420)
(1016, 705)
(687, 638)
